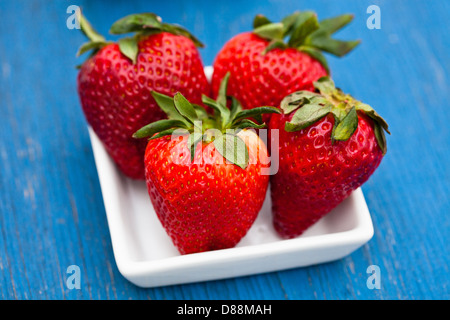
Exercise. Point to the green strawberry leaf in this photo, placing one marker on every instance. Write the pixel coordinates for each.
(246, 123)
(295, 100)
(325, 85)
(184, 107)
(179, 30)
(331, 25)
(221, 112)
(275, 44)
(373, 114)
(193, 141)
(381, 138)
(157, 126)
(322, 40)
(305, 24)
(235, 107)
(306, 116)
(129, 48)
(344, 130)
(90, 46)
(222, 94)
(136, 22)
(232, 148)
(271, 31)
(260, 20)
(167, 105)
(255, 113)
(201, 112)
(289, 22)
(339, 114)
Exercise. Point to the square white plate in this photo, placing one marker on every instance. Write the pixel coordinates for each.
(145, 254)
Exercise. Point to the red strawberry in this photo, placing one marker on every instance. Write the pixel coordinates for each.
(206, 186)
(114, 84)
(329, 145)
(264, 69)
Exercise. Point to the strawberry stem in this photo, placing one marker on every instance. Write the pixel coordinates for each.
(89, 31)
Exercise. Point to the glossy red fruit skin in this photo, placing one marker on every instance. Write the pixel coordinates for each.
(205, 206)
(263, 80)
(315, 175)
(115, 94)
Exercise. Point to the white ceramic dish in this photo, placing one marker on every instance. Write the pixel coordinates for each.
(145, 254)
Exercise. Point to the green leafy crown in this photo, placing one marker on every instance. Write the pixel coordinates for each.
(304, 32)
(196, 121)
(141, 24)
(310, 107)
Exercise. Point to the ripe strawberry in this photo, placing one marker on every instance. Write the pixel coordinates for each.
(329, 145)
(206, 182)
(114, 84)
(264, 69)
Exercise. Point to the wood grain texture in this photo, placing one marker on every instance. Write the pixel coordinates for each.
(51, 209)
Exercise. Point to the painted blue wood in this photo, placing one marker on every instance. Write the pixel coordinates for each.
(51, 209)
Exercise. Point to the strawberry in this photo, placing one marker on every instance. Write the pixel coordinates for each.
(329, 145)
(114, 84)
(206, 172)
(264, 68)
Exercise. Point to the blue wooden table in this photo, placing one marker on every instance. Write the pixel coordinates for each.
(51, 208)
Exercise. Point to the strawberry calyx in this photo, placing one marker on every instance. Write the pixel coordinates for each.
(144, 24)
(302, 31)
(310, 107)
(220, 127)
(141, 24)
